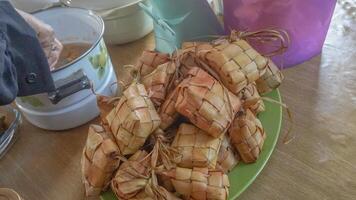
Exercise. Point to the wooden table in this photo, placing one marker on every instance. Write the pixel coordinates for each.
(319, 164)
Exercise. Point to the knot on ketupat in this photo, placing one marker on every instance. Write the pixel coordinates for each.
(162, 153)
(199, 183)
(100, 159)
(197, 148)
(133, 119)
(247, 136)
(251, 99)
(132, 176)
(206, 102)
(228, 158)
(135, 180)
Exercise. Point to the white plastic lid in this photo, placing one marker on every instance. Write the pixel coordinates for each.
(98, 5)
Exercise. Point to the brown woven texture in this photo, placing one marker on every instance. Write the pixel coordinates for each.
(228, 158)
(167, 111)
(149, 61)
(236, 63)
(165, 195)
(133, 119)
(251, 99)
(135, 180)
(247, 136)
(187, 62)
(197, 148)
(166, 182)
(144, 195)
(270, 80)
(99, 160)
(105, 105)
(158, 81)
(200, 183)
(188, 58)
(132, 176)
(206, 102)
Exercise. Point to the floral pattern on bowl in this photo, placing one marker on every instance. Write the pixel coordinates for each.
(99, 61)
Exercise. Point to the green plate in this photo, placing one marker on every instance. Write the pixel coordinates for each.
(244, 174)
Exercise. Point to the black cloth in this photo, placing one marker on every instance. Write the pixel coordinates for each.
(24, 68)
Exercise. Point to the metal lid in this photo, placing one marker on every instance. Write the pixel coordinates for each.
(97, 5)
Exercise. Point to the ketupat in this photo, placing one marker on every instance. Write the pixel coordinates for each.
(197, 148)
(149, 61)
(236, 63)
(167, 111)
(105, 105)
(189, 55)
(162, 153)
(270, 80)
(228, 158)
(158, 82)
(165, 195)
(99, 161)
(166, 182)
(199, 183)
(133, 119)
(177, 88)
(251, 99)
(247, 136)
(132, 176)
(134, 180)
(206, 102)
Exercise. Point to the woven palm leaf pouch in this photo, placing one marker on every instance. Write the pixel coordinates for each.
(133, 119)
(206, 102)
(99, 161)
(197, 148)
(247, 136)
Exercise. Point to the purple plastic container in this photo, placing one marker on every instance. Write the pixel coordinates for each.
(306, 21)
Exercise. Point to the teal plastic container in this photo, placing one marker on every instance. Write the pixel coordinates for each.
(177, 21)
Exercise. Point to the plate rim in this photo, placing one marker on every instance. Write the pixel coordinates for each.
(269, 154)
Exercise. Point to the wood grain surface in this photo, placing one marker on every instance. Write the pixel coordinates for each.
(319, 164)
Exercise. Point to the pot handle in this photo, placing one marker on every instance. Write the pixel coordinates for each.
(67, 86)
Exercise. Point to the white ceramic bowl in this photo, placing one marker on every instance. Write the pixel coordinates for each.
(127, 24)
(125, 21)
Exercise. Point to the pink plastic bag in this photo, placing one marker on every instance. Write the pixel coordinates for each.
(306, 21)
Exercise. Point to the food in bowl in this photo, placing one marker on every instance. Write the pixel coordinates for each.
(70, 52)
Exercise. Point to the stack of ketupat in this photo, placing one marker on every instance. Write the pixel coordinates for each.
(183, 123)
